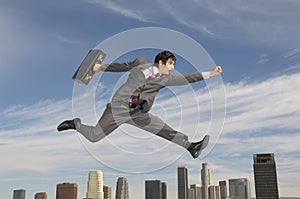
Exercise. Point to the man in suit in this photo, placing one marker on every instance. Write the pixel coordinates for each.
(133, 100)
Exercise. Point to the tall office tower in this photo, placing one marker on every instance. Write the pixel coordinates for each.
(197, 191)
(239, 188)
(66, 191)
(223, 189)
(153, 189)
(214, 192)
(265, 177)
(122, 189)
(205, 179)
(164, 191)
(182, 179)
(95, 185)
(19, 194)
(107, 192)
(41, 195)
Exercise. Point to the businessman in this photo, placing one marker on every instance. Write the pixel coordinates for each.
(133, 100)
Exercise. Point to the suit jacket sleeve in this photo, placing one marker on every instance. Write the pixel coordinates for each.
(182, 79)
(125, 66)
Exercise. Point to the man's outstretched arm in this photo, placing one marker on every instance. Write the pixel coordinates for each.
(176, 80)
(120, 67)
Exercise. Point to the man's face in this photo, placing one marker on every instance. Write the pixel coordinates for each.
(166, 69)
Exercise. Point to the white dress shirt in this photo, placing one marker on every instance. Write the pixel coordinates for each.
(152, 71)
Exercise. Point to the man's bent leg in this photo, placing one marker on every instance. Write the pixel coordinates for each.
(156, 126)
(104, 127)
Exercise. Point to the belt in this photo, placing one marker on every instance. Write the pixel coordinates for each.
(134, 101)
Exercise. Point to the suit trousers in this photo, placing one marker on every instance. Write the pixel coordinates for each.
(118, 113)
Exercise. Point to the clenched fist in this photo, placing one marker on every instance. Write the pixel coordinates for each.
(217, 71)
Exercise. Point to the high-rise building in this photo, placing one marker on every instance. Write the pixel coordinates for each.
(153, 189)
(66, 191)
(41, 195)
(239, 188)
(223, 189)
(214, 192)
(19, 194)
(122, 188)
(265, 176)
(197, 191)
(205, 180)
(107, 192)
(182, 178)
(95, 185)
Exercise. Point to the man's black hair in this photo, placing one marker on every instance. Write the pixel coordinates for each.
(164, 56)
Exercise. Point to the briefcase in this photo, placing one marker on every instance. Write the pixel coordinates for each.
(85, 72)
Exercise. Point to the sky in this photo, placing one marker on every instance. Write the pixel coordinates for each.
(253, 107)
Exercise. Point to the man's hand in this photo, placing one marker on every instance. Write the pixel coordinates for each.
(97, 68)
(217, 71)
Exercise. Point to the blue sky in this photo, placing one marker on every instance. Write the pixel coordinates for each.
(42, 43)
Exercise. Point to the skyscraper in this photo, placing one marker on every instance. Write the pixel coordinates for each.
(122, 188)
(265, 177)
(107, 192)
(41, 195)
(66, 191)
(197, 191)
(19, 194)
(182, 178)
(223, 189)
(239, 188)
(95, 185)
(205, 180)
(153, 189)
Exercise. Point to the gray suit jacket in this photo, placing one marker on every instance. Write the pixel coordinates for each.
(137, 85)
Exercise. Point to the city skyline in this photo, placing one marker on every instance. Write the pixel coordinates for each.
(238, 188)
(253, 107)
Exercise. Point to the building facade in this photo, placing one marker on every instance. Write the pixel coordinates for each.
(265, 176)
(164, 190)
(197, 191)
(66, 191)
(41, 195)
(223, 189)
(155, 189)
(214, 192)
(122, 191)
(182, 180)
(107, 192)
(95, 185)
(239, 188)
(19, 194)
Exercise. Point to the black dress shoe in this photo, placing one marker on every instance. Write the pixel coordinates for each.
(66, 125)
(196, 147)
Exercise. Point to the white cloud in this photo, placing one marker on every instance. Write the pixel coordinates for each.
(124, 10)
(292, 54)
(262, 59)
(66, 40)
